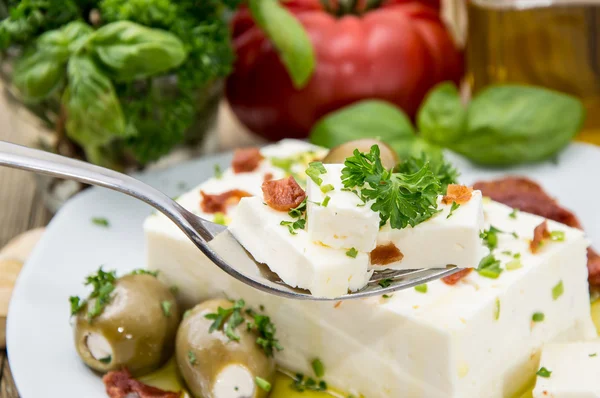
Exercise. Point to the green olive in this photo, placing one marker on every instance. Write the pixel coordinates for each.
(389, 158)
(212, 365)
(136, 329)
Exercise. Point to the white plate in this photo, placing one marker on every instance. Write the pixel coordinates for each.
(40, 347)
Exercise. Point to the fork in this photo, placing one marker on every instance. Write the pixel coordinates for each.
(212, 239)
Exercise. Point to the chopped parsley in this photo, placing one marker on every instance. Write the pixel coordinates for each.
(187, 313)
(454, 207)
(101, 222)
(325, 201)
(489, 267)
(403, 199)
(294, 225)
(385, 282)
(543, 372)
(106, 360)
(557, 236)
(538, 317)
(298, 211)
(490, 237)
(592, 355)
(558, 290)
(421, 288)
(507, 253)
(318, 368)
(141, 271)
(265, 329)
(442, 169)
(263, 384)
(513, 214)
(227, 319)
(314, 170)
(218, 172)
(191, 357)
(352, 253)
(517, 255)
(302, 384)
(385, 296)
(166, 307)
(220, 218)
(327, 188)
(497, 309)
(174, 289)
(514, 234)
(103, 284)
(513, 265)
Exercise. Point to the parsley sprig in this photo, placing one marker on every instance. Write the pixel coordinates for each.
(103, 284)
(402, 198)
(442, 169)
(227, 319)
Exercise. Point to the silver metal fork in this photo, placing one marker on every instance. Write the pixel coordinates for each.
(212, 239)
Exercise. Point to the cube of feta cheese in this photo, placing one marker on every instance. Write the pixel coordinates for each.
(343, 221)
(471, 340)
(572, 370)
(444, 239)
(291, 254)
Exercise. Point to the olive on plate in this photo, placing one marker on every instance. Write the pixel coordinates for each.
(338, 154)
(213, 364)
(128, 322)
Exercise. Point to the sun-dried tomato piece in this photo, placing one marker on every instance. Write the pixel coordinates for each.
(385, 254)
(457, 276)
(218, 203)
(457, 193)
(120, 384)
(284, 194)
(540, 233)
(246, 160)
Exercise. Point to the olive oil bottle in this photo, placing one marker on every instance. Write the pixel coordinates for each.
(551, 43)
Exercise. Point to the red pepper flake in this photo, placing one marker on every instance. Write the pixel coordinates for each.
(268, 177)
(218, 203)
(457, 193)
(284, 194)
(385, 254)
(457, 276)
(246, 160)
(539, 234)
(120, 384)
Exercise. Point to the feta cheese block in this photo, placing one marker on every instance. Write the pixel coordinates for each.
(294, 257)
(473, 339)
(345, 222)
(573, 371)
(442, 240)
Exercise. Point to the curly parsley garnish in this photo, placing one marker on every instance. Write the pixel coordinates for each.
(298, 212)
(103, 284)
(402, 198)
(442, 169)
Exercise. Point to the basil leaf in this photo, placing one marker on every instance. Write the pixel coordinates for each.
(288, 36)
(442, 117)
(66, 40)
(38, 74)
(94, 113)
(364, 119)
(131, 51)
(508, 125)
(414, 147)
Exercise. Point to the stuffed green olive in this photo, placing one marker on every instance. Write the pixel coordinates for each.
(130, 322)
(218, 356)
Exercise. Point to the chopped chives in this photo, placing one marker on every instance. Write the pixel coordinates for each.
(538, 317)
(558, 290)
(421, 288)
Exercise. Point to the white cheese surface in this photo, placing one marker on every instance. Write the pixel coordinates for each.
(575, 371)
(471, 340)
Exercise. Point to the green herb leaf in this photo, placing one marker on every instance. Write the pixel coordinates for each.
(219, 218)
(166, 307)
(593, 355)
(298, 211)
(76, 304)
(314, 170)
(227, 319)
(106, 360)
(497, 309)
(302, 383)
(326, 200)
(557, 236)
(101, 222)
(218, 172)
(89, 98)
(141, 271)
(513, 214)
(543, 372)
(103, 284)
(352, 253)
(38, 74)
(318, 368)
(386, 296)
(558, 290)
(265, 329)
(490, 237)
(452, 208)
(442, 169)
(294, 225)
(538, 317)
(421, 288)
(288, 36)
(191, 357)
(327, 188)
(514, 264)
(130, 51)
(489, 267)
(509, 124)
(263, 384)
(385, 282)
(442, 116)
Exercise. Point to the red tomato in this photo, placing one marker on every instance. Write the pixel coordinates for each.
(396, 53)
